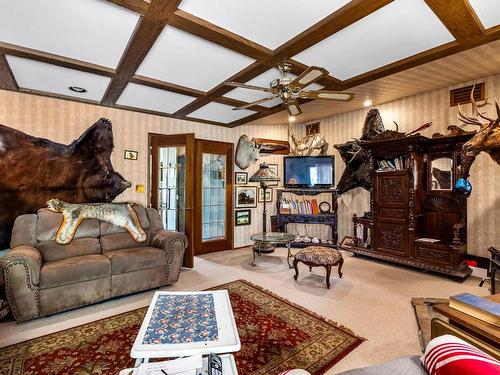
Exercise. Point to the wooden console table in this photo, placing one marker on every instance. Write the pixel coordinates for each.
(476, 327)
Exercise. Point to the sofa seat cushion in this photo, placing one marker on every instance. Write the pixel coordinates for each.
(135, 259)
(74, 270)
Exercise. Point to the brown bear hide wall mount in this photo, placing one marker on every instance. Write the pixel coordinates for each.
(34, 170)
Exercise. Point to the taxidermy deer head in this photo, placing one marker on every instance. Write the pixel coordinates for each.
(487, 138)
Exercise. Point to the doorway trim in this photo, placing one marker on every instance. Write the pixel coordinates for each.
(187, 140)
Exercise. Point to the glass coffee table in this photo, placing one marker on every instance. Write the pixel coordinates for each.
(272, 238)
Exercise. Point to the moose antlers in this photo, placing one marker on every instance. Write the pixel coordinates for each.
(474, 118)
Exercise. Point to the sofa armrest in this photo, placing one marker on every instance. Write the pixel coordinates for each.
(174, 244)
(21, 272)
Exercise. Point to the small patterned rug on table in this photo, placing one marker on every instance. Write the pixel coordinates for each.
(275, 335)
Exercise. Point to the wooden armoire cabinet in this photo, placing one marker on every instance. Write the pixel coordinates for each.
(416, 217)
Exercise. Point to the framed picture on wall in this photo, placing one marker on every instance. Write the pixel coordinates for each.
(242, 217)
(246, 196)
(274, 168)
(240, 178)
(131, 155)
(269, 195)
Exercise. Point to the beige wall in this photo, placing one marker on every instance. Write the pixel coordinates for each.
(63, 121)
(411, 112)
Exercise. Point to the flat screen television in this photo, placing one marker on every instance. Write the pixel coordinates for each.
(309, 171)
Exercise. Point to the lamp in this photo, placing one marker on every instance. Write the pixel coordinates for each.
(264, 175)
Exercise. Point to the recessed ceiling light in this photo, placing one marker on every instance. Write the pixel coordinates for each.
(367, 103)
(77, 89)
(291, 118)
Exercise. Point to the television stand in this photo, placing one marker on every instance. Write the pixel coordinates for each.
(308, 206)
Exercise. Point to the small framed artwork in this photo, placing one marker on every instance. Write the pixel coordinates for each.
(131, 155)
(269, 195)
(240, 178)
(242, 217)
(274, 168)
(246, 196)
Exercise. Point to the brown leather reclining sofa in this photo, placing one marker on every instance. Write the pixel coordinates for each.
(102, 261)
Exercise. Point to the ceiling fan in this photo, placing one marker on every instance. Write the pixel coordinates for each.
(289, 90)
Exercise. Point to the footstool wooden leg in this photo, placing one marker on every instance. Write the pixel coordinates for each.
(341, 263)
(295, 263)
(328, 272)
(310, 268)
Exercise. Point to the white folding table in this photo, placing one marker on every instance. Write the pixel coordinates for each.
(224, 339)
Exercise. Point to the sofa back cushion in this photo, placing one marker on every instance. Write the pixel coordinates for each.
(117, 238)
(85, 240)
(23, 232)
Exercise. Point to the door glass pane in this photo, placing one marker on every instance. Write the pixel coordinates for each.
(172, 187)
(213, 197)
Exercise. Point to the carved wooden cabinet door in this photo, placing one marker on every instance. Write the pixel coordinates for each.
(391, 224)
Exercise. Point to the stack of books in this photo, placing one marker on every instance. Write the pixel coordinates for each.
(477, 307)
(396, 164)
(296, 207)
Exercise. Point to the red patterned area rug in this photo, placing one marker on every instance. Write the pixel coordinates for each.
(275, 335)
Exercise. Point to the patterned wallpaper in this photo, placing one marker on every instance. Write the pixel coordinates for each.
(411, 112)
(63, 121)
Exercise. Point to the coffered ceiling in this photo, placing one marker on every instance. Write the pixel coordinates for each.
(173, 57)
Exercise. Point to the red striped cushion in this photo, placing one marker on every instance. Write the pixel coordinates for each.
(449, 355)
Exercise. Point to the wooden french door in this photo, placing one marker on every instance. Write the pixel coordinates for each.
(214, 197)
(172, 184)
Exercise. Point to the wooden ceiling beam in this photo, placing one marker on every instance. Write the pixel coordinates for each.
(65, 62)
(237, 103)
(215, 34)
(335, 22)
(7, 79)
(139, 6)
(167, 86)
(149, 28)
(459, 18)
(422, 58)
(246, 74)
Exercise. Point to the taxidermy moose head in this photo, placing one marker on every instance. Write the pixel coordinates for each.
(487, 138)
(34, 170)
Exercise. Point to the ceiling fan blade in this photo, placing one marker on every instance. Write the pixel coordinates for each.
(329, 95)
(308, 76)
(293, 108)
(248, 105)
(250, 87)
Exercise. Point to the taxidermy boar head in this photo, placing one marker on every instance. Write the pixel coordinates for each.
(34, 170)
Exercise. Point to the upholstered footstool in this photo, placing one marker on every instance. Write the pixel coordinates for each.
(319, 256)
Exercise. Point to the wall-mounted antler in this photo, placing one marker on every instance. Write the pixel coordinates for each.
(487, 138)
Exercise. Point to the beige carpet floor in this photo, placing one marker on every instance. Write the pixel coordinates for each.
(373, 299)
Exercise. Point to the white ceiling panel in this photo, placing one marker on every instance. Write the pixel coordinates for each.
(95, 31)
(40, 76)
(154, 99)
(394, 32)
(488, 11)
(269, 23)
(220, 113)
(186, 60)
(263, 80)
